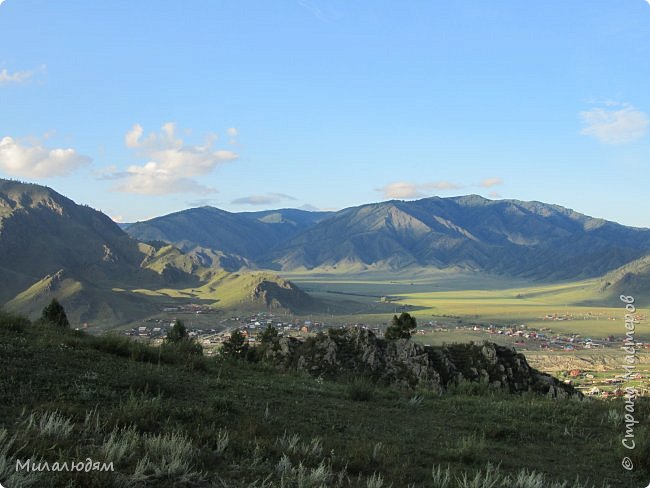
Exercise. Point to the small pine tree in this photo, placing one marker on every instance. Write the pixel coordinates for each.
(236, 346)
(401, 327)
(54, 314)
(269, 335)
(177, 333)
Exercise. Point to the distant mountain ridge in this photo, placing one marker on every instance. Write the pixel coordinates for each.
(245, 236)
(527, 239)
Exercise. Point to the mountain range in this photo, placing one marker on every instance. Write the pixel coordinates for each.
(527, 239)
(51, 246)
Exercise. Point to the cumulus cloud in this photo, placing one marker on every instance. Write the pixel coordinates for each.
(33, 160)
(619, 124)
(403, 189)
(232, 132)
(490, 182)
(266, 199)
(172, 166)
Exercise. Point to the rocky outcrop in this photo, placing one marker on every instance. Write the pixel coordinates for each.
(406, 363)
(277, 294)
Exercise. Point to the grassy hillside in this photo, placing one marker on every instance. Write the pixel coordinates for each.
(168, 421)
(631, 279)
(242, 291)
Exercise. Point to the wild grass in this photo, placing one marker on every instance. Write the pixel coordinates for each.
(8, 473)
(51, 424)
(491, 476)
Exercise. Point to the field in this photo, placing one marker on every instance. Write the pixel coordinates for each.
(462, 298)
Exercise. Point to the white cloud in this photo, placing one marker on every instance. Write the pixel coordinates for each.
(132, 138)
(15, 77)
(309, 208)
(490, 182)
(617, 125)
(232, 132)
(266, 199)
(171, 166)
(18, 77)
(33, 160)
(403, 189)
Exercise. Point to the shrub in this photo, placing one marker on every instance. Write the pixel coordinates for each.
(361, 391)
(54, 314)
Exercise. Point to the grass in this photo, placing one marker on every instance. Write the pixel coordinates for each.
(166, 423)
(450, 298)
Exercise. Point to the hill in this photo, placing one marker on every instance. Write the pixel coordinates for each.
(242, 291)
(630, 279)
(234, 423)
(52, 247)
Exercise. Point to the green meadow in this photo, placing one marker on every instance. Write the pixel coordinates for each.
(461, 298)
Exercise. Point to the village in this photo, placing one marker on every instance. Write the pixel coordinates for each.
(603, 383)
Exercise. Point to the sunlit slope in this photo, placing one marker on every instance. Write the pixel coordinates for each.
(242, 291)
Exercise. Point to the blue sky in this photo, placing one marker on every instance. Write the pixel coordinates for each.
(144, 108)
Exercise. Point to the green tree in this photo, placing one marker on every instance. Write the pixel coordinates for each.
(236, 346)
(54, 314)
(177, 333)
(401, 327)
(269, 335)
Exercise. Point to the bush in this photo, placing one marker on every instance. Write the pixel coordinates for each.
(361, 391)
(13, 322)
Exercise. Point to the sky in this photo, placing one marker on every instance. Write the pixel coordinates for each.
(144, 108)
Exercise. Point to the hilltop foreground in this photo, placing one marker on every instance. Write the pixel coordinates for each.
(167, 419)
